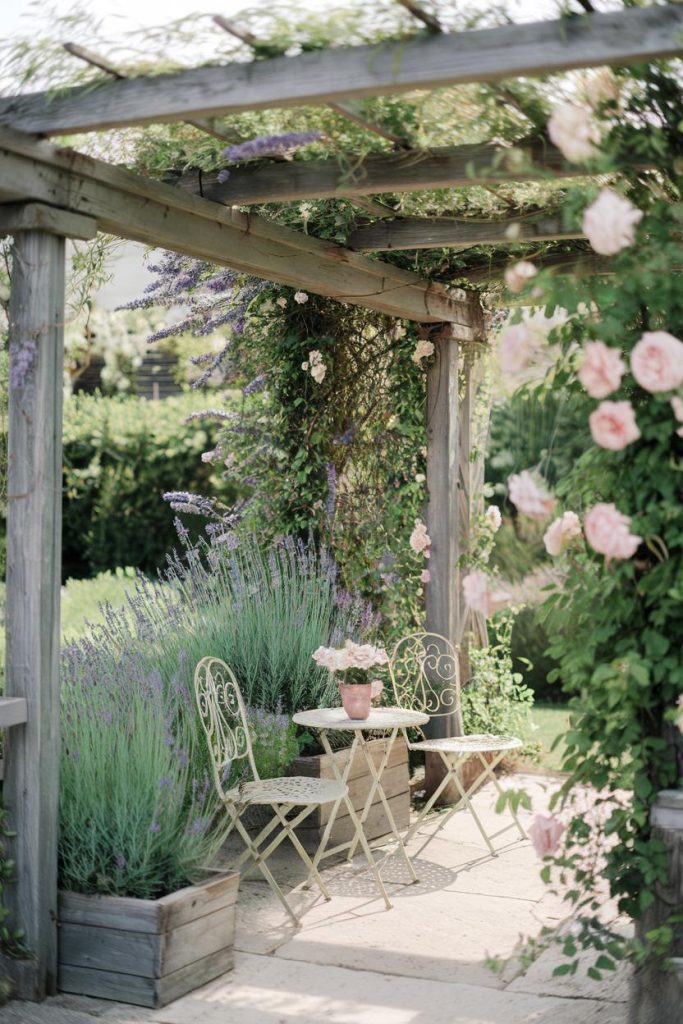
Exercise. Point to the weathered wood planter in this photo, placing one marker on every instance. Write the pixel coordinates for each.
(395, 782)
(147, 952)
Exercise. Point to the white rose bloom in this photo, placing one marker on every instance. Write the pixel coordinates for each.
(610, 222)
(574, 132)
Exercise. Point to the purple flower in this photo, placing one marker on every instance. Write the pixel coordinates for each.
(165, 781)
(120, 860)
(22, 356)
(269, 145)
(257, 384)
(223, 176)
(155, 827)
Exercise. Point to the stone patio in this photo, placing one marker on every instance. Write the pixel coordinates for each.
(455, 948)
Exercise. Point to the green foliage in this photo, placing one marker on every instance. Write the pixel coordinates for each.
(529, 650)
(147, 827)
(324, 456)
(12, 943)
(614, 625)
(274, 741)
(128, 700)
(120, 456)
(264, 611)
(496, 700)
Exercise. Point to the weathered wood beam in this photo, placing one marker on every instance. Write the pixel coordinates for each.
(129, 206)
(328, 76)
(38, 217)
(352, 111)
(437, 233)
(34, 510)
(447, 167)
(581, 263)
(13, 711)
(95, 61)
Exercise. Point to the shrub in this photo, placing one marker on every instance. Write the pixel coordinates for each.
(138, 816)
(497, 699)
(120, 455)
(137, 811)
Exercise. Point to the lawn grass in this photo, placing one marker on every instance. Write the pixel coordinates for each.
(80, 604)
(550, 721)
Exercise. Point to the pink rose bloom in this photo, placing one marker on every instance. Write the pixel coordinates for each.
(419, 538)
(677, 406)
(613, 425)
(657, 361)
(560, 532)
(425, 576)
(480, 597)
(609, 223)
(574, 132)
(517, 346)
(545, 834)
(607, 532)
(601, 370)
(528, 497)
(518, 276)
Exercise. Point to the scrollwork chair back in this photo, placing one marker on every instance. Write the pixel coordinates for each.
(425, 675)
(224, 717)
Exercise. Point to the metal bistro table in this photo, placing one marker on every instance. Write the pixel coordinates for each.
(385, 720)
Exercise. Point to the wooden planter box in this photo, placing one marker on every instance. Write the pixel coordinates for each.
(147, 952)
(395, 782)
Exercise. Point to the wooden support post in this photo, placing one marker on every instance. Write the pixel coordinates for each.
(452, 481)
(33, 592)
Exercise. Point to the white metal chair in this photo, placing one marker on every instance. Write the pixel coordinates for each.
(223, 714)
(425, 676)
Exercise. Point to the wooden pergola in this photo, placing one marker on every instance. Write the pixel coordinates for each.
(49, 194)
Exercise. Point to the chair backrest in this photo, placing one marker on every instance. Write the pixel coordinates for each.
(425, 675)
(224, 717)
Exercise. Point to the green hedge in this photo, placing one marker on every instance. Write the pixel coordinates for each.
(120, 456)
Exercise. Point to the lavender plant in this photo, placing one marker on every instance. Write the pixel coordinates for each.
(138, 816)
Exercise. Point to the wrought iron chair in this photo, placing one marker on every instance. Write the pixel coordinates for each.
(223, 714)
(425, 676)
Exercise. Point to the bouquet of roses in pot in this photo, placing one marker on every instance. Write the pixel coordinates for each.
(352, 664)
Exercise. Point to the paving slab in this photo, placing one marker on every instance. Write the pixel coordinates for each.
(273, 990)
(429, 960)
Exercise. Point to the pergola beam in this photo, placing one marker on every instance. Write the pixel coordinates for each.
(329, 76)
(129, 206)
(446, 167)
(437, 233)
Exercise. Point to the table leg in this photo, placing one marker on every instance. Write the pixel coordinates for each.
(376, 776)
(358, 828)
(377, 782)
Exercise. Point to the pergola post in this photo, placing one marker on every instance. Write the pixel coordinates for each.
(452, 478)
(34, 532)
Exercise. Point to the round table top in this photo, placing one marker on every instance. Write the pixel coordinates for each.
(379, 718)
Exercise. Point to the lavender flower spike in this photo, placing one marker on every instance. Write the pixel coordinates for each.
(269, 145)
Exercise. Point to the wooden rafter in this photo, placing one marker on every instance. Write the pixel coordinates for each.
(96, 61)
(441, 232)
(484, 55)
(129, 206)
(352, 111)
(446, 167)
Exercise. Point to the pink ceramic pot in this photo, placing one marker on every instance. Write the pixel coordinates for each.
(356, 698)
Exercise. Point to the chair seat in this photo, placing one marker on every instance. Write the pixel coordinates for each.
(294, 789)
(473, 744)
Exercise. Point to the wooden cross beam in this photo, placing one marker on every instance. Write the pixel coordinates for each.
(446, 167)
(129, 206)
(437, 233)
(328, 76)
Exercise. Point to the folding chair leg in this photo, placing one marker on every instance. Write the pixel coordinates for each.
(265, 871)
(426, 809)
(296, 843)
(489, 770)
